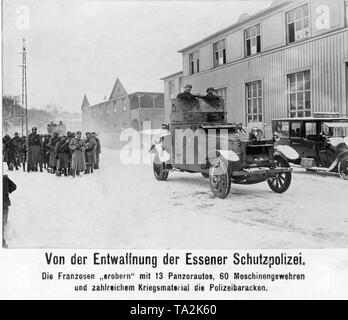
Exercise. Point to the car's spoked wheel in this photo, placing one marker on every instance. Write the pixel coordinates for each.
(220, 180)
(205, 174)
(160, 172)
(281, 182)
(343, 168)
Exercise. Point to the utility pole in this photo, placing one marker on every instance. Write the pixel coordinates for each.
(24, 88)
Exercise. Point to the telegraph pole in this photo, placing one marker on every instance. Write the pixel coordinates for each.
(24, 87)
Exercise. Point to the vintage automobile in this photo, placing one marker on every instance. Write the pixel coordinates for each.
(320, 140)
(199, 139)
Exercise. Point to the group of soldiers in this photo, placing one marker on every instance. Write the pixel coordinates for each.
(69, 154)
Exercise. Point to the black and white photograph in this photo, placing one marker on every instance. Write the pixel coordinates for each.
(208, 125)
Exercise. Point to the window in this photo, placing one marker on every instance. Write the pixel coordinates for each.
(124, 108)
(171, 89)
(115, 108)
(221, 93)
(298, 24)
(100, 110)
(107, 110)
(282, 128)
(194, 62)
(254, 101)
(252, 40)
(310, 129)
(295, 129)
(219, 53)
(299, 94)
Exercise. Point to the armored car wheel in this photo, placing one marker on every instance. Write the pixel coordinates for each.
(343, 168)
(281, 182)
(220, 180)
(160, 171)
(205, 174)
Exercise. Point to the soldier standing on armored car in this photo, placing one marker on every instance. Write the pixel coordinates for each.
(187, 95)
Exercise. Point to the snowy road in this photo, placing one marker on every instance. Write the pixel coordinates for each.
(125, 207)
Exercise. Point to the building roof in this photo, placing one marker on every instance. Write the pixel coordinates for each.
(245, 19)
(118, 90)
(95, 98)
(172, 75)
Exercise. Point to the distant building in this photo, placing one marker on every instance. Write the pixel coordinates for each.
(109, 116)
(289, 60)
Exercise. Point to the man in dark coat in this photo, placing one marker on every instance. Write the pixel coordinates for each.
(210, 96)
(22, 151)
(34, 154)
(187, 95)
(9, 152)
(8, 186)
(46, 150)
(52, 163)
(97, 151)
(16, 140)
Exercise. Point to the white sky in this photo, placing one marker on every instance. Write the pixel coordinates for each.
(77, 47)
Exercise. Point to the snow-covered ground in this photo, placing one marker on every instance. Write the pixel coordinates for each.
(123, 206)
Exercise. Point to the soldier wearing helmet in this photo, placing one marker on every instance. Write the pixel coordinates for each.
(187, 95)
(34, 153)
(210, 96)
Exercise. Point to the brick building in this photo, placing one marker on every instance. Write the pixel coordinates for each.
(121, 110)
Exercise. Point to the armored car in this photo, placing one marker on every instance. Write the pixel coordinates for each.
(199, 139)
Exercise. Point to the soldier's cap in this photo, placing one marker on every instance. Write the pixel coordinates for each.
(188, 86)
(210, 88)
(34, 128)
(16, 134)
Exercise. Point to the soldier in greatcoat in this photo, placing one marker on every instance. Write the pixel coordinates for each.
(52, 162)
(16, 141)
(90, 152)
(77, 146)
(62, 152)
(97, 151)
(46, 150)
(9, 152)
(22, 151)
(35, 151)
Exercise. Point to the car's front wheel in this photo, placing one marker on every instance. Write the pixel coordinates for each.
(343, 168)
(220, 180)
(160, 171)
(281, 182)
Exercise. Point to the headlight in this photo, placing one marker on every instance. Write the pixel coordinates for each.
(276, 136)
